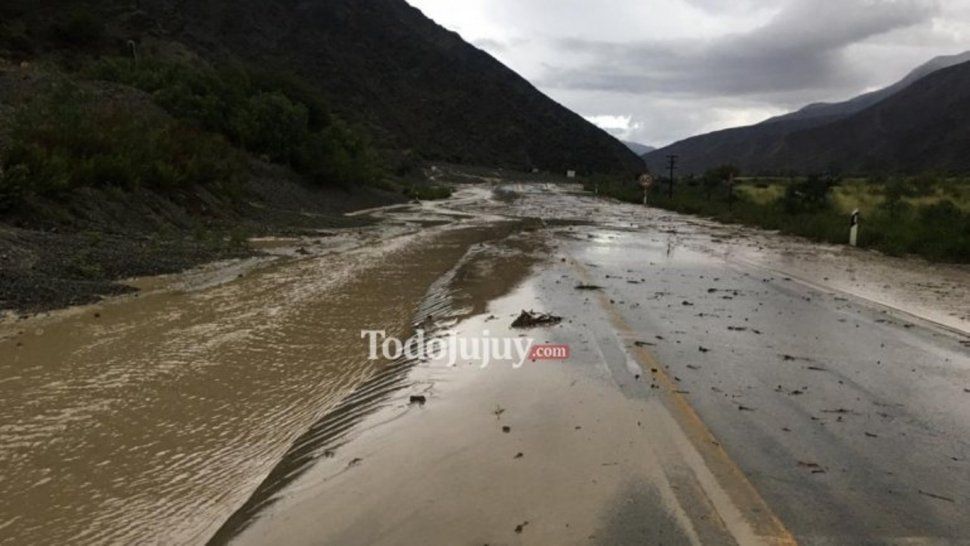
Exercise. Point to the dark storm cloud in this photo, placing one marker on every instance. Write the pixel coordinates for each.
(800, 49)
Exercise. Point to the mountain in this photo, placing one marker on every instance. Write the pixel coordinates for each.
(923, 127)
(851, 106)
(637, 148)
(382, 64)
(417, 85)
(763, 148)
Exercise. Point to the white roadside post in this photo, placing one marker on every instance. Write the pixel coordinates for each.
(854, 228)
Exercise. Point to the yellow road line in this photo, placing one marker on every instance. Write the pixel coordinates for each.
(766, 526)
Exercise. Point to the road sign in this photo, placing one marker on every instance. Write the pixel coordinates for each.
(646, 182)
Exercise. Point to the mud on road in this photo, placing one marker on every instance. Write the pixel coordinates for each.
(717, 390)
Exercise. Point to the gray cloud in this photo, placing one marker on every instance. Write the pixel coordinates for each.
(722, 6)
(799, 50)
(670, 69)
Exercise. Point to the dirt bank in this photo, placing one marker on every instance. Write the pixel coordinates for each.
(84, 248)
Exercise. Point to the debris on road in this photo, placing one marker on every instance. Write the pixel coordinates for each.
(521, 527)
(531, 319)
(418, 399)
(935, 496)
(790, 358)
(588, 287)
(815, 468)
(506, 429)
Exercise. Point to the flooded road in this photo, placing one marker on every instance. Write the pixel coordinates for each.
(157, 416)
(724, 386)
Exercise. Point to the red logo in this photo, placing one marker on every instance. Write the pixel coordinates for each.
(549, 352)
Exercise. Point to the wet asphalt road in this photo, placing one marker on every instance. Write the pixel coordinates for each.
(853, 424)
(778, 411)
(706, 401)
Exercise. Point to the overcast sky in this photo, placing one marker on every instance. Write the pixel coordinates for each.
(657, 71)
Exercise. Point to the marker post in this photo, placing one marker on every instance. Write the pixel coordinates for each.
(854, 228)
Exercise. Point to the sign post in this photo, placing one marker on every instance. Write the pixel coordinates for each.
(854, 228)
(646, 182)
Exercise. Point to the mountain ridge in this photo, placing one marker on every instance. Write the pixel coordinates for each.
(417, 88)
(637, 148)
(764, 147)
(865, 100)
(418, 85)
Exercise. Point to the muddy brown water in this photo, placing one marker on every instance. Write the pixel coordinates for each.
(155, 418)
(180, 414)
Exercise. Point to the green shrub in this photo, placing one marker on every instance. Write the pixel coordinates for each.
(337, 155)
(944, 230)
(73, 140)
(267, 113)
(809, 195)
(938, 231)
(271, 124)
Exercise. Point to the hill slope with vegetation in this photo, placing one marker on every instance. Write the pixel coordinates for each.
(412, 85)
(144, 137)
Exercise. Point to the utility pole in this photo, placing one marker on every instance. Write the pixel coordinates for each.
(672, 164)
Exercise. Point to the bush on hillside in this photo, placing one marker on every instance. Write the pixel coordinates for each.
(809, 195)
(337, 155)
(72, 140)
(270, 114)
